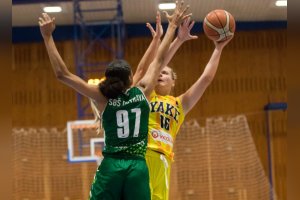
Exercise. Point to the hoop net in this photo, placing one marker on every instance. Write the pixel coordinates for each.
(216, 161)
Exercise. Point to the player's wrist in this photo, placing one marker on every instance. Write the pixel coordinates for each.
(46, 37)
(181, 39)
(219, 48)
(156, 37)
(172, 25)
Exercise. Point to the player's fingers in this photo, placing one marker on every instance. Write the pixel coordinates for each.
(185, 9)
(187, 22)
(176, 3)
(181, 5)
(191, 25)
(150, 28)
(41, 20)
(158, 17)
(186, 16)
(46, 17)
(167, 14)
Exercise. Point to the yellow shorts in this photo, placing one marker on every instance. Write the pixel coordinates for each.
(159, 173)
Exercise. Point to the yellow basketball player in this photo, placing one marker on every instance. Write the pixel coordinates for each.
(168, 112)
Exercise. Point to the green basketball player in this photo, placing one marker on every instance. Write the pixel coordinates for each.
(123, 173)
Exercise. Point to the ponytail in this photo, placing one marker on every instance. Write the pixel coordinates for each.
(112, 87)
(116, 79)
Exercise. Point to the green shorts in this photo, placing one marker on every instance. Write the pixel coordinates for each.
(119, 178)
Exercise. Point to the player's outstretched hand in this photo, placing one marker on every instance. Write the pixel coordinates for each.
(179, 14)
(47, 25)
(184, 31)
(222, 44)
(159, 29)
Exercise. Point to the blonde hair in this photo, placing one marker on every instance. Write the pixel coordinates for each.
(173, 74)
(97, 115)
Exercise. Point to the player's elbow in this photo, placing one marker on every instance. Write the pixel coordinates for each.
(59, 75)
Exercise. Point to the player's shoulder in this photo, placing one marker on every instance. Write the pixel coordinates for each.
(136, 90)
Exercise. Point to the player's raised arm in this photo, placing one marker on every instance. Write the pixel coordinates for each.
(150, 52)
(183, 36)
(47, 26)
(194, 93)
(149, 81)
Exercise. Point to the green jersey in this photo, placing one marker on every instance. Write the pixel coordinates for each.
(125, 123)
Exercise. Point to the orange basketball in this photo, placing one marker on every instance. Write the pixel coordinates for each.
(219, 25)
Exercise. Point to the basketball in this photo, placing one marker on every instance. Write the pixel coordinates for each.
(219, 25)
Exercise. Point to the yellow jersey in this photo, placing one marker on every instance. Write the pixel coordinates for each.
(165, 119)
